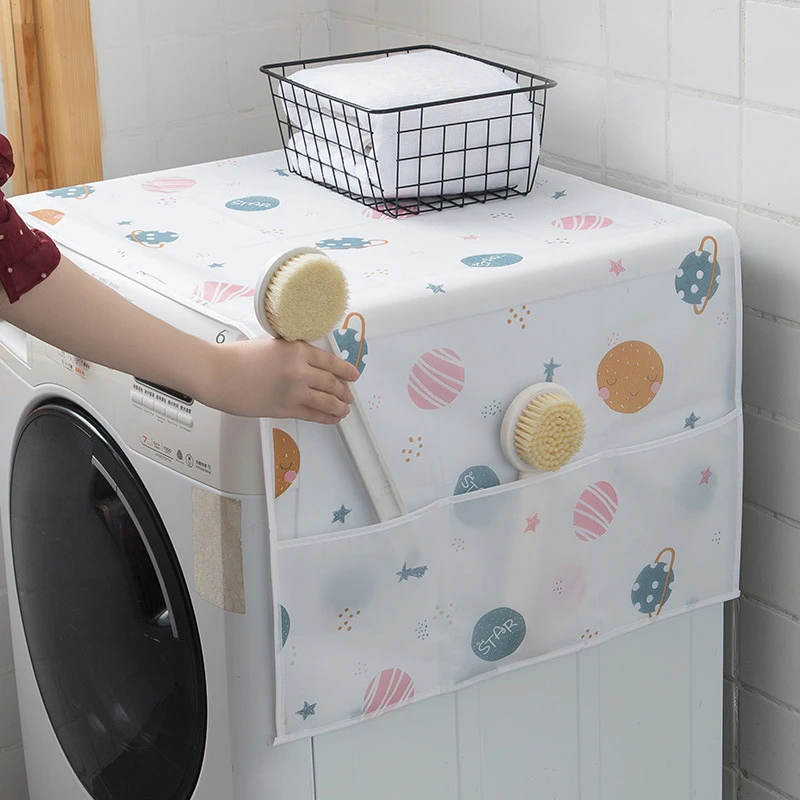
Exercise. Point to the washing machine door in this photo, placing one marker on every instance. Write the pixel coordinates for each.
(106, 612)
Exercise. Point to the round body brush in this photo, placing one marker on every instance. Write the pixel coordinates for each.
(542, 429)
(302, 296)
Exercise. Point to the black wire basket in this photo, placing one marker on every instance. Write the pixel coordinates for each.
(413, 158)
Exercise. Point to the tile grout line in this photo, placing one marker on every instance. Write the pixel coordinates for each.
(764, 785)
(768, 606)
(792, 523)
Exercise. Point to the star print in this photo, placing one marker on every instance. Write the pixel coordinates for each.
(216, 265)
(559, 195)
(436, 288)
(282, 172)
(470, 237)
(706, 473)
(691, 420)
(338, 516)
(616, 266)
(308, 710)
(125, 222)
(549, 370)
(533, 523)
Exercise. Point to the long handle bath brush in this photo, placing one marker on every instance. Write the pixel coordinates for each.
(302, 296)
(542, 430)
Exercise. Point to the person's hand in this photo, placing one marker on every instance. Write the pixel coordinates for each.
(277, 379)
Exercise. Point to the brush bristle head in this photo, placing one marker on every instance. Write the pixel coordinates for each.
(306, 298)
(549, 432)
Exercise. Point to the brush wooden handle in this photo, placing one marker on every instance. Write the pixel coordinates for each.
(366, 455)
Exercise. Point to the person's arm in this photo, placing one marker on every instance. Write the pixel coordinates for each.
(261, 378)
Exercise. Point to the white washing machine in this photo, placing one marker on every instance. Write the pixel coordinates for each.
(131, 687)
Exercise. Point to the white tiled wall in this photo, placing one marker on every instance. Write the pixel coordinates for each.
(179, 79)
(695, 102)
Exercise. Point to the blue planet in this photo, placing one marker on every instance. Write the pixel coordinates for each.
(697, 279)
(79, 192)
(648, 593)
(255, 203)
(492, 260)
(497, 634)
(285, 624)
(475, 478)
(483, 511)
(347, 243)
(348, 342)
(152, 238)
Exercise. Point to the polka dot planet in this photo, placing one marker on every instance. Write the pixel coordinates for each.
(630, 376)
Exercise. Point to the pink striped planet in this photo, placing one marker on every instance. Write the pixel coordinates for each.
(595, 511)
(168, 185)
(390, 689)
(214, 292)
(582, 222)
(436, 379)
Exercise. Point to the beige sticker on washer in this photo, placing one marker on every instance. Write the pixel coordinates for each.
(218, 572)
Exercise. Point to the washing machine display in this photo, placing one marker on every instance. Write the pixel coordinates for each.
(106, 613)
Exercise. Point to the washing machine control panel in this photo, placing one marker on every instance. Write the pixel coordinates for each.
(219, 450)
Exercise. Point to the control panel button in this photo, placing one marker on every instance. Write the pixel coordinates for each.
(172, 413)
(148, 402)
(185, 419)
(136, 397)
(160, 408)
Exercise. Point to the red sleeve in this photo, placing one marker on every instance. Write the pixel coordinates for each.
(27, 256)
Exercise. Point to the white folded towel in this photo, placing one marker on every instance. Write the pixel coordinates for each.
(445, 149)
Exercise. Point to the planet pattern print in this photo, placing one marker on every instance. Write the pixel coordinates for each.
(48, 215)
(154, 239)
(697, 279)
(436, 379)
(285, 626)
(253, 204)
(350, 243)
(498, 634)
(630, 376)
(73, 192)
(214, 292)
(352, 342)
(287, 460)
(595, 511)
(653, 586)
(582, 222)
(391, 689)
(485, 260)
(169, 185)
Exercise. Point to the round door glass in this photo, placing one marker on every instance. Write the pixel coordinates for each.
(106, 613)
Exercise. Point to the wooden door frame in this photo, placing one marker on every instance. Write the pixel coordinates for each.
(50, 88)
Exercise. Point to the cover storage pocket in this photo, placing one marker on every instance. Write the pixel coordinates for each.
(372, 619)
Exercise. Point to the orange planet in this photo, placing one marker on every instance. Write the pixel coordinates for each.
(630, 376)
(48, 215)
(287, 460)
